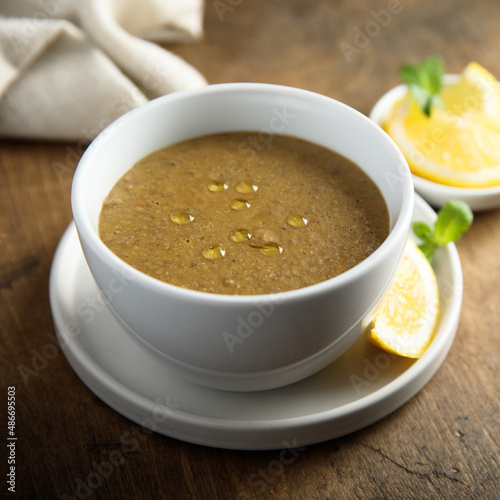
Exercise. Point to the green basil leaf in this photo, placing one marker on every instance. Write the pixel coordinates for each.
(422, 230)
(453, 220)
(424, 81)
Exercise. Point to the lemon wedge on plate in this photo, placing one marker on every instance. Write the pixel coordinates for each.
(459, 144)
(407, 318)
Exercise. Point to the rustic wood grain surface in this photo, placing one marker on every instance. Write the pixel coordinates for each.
(444, 443)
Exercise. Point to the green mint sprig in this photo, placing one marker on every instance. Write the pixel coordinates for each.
(453, 220)
(424, 81)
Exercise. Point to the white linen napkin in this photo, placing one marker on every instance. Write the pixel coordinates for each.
(68, 68)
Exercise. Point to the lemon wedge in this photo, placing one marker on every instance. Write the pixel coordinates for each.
(459, 144)
(407, 318)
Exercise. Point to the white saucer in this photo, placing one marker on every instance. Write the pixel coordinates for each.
(362, 386)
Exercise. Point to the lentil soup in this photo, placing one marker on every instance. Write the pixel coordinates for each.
(216, 215)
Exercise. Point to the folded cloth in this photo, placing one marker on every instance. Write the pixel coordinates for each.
(68, 68)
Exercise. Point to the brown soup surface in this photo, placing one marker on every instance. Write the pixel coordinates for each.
(218, 215)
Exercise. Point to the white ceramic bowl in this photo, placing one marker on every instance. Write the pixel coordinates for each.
(433, 192)
(242, 343)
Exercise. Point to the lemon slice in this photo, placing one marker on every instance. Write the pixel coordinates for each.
(407, 318)
(459, 145)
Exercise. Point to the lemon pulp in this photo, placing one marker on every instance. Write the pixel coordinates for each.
(407, 318)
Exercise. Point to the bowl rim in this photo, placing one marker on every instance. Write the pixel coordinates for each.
(85, 229)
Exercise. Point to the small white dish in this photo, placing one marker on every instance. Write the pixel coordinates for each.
(433, 192)
(362, 386)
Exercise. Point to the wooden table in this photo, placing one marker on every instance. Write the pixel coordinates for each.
(444, 443)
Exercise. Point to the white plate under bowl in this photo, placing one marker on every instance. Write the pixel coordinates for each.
(359, 388)
(437, 194)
